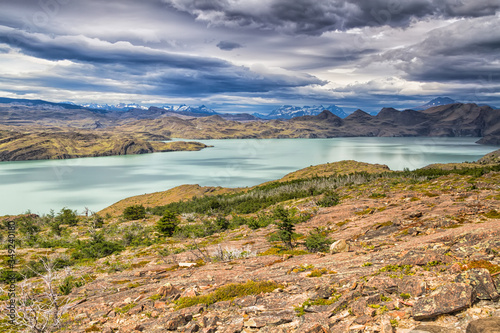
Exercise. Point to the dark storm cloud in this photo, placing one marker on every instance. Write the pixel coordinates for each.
(142, 70)
(81, 48)
(228, 46)
(313, 17)
(467, 50)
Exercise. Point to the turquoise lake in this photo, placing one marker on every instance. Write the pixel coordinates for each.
(96, 183)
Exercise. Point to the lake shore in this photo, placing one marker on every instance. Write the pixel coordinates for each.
(98, 182)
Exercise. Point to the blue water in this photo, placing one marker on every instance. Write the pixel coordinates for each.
(96, 183)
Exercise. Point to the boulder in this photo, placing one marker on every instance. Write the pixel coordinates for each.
(167, 290)
(446, 299)
(432, 329)
(412, 285)
(481, 282)
(358, 307)
(485, 325)
(385, 326)
(339, 246)
(175, 321)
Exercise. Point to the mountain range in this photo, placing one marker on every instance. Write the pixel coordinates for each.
(290, 111)
(40, 119)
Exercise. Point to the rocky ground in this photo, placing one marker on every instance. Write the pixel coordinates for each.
(418, 256)
(408, 262)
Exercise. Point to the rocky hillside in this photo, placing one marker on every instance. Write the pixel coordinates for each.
(17, 146)
(442, 120)
(373, 251)
(449, 120)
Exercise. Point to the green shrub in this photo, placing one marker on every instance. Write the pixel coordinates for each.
(285, 226)
(66, 286)
(228, 292)
(67, 216)
(167, 224)
(135, 212)
(261, 221)
(96, 221)
(125, 309)
(492, 214)
(8, 276)
(96, 248)
(222, 223)
(329, 199)
(136, 234)
(317, 241)
(278, 250)
(377, 195)
(405, 296)
(29, 226)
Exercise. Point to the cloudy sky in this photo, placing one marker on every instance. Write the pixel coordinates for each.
(251, 55)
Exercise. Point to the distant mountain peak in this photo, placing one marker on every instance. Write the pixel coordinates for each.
(291, 111)
(438, 101)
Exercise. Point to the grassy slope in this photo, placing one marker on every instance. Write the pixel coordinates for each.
(185, 192)
(178, 193)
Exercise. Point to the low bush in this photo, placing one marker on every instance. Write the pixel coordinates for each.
(67, 216)
(135, 212)
(167, 224)
(228, 292)
(318, 241)
(97, 247)
(329, 199)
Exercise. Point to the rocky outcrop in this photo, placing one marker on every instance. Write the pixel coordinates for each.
(447, 299)
(481, 282)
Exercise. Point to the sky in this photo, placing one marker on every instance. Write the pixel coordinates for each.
(251, 55)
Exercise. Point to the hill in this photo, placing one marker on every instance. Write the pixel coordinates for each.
(17, 146)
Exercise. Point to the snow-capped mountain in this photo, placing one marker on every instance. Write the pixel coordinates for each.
(436, 102)
(290, 111)
(117, 107)
(190, 109)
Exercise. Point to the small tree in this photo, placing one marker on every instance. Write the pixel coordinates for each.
(135, 212)
(67, 216)
(29, 226)
(168, 223)
(222, 223)
(285, 226)
(317, 241)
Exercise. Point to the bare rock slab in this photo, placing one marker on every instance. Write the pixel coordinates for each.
(486, 325)
(482, 283)
(447, 299)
